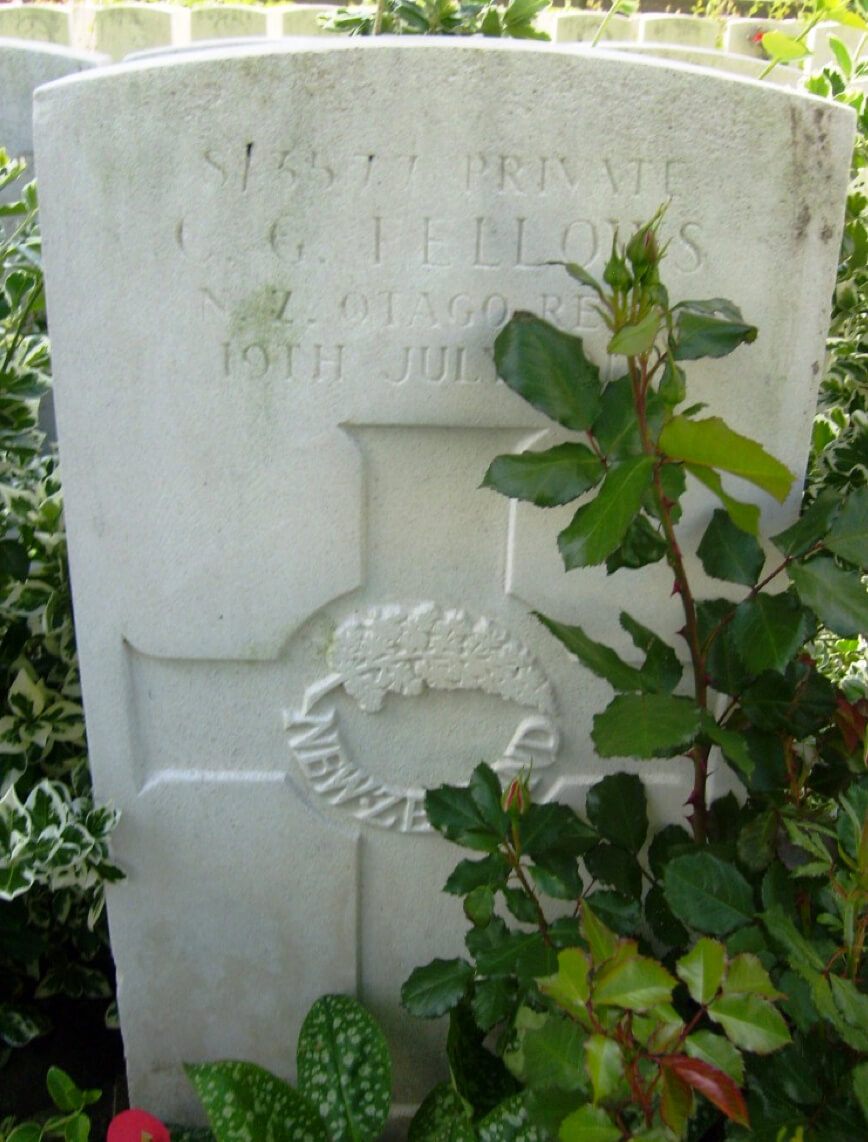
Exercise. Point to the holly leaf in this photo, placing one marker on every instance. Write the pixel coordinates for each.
(549, 369)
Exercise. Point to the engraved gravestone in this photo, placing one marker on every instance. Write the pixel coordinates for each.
(295, 609)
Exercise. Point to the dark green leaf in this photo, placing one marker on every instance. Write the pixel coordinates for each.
(623, 914)
(810, 528)
(616, 428)
(616, 805)
(670, 841)
(646, 726)
(557, 877)
(711, 443)
(513, 952)
(666, 929)
(707, 894)
(661, 670)
(549, 369)
(837, 596)
(848, 535)
(520, 905)
(642, 545)
(471, 816)
(709, 329)
(613, 866)
(599, 527)
(434, 989)
(493, 1001)
(733, 745)
(554, 829)
(769, 630)
(14, 560)
(468, 874)
(479, 1076)
(729, 553)
(546, 479)
(600, 659)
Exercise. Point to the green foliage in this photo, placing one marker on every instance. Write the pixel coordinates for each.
(71, 1123)
(344, 1084)
(516, 19)
(681, 984)
(53, 840)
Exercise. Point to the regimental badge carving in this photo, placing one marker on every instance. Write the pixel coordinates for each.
(402, 651)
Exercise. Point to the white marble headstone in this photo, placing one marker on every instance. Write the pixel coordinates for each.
(274, 280)
(24, 66)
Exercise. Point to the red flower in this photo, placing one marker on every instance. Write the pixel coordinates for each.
(136, 1126)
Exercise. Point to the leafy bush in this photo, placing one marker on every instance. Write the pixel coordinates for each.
(53, 840)
(632, 979)
(516, 19)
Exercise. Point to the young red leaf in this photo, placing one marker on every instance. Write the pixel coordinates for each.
(717, 1087)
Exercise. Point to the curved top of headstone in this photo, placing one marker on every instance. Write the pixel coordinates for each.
(24, 65)
(313, 238)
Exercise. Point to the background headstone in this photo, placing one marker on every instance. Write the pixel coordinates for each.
(676, 28)
(217, 21)
(119, 29)
(23, 68)
(273, 302)
(49, 23)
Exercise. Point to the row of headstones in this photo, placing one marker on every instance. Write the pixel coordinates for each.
(119, 29)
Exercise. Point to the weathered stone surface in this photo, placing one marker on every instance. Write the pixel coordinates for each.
(23, 67)
(119, 29)
(676, 28)
(50, 23)
(273, 300)
(219, 21)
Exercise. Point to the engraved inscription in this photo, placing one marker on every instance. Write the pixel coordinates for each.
(397, 650)
(310, 336)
